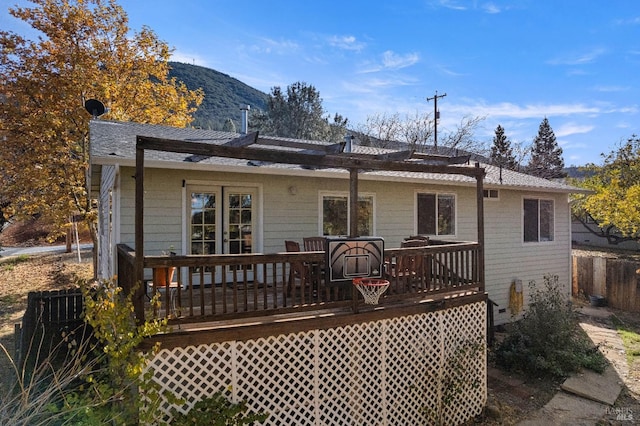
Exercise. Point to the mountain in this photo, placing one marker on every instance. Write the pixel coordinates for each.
(223, 95)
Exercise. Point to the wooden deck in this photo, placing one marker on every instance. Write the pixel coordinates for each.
(219, 287)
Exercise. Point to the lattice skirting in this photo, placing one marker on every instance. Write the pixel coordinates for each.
(415, 370)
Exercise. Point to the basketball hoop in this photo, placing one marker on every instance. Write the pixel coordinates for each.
(371, 289)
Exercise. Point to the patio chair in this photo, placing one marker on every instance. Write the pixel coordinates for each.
(314, 243)
(408, 268)
(297, 269)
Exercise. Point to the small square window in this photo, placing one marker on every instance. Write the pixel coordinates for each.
(491, 193)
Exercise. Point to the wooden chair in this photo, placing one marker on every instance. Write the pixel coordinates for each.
(297, 270)
(314, 243)
(408, 268)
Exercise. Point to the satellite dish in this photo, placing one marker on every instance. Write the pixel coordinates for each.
(94, 107)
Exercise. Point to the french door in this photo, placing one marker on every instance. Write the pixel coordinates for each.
(222, 221)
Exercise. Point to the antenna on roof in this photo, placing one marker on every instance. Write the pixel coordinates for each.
(94, 107)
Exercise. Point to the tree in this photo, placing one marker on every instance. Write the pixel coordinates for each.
(615, 201)
(502, 152)
(546, 155)
(298, 114)
(417, 132)
(85, 51)
(229, 126)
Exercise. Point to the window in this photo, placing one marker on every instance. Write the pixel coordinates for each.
(436, 214)
(335, 215)
(538, 220)
(491, 193)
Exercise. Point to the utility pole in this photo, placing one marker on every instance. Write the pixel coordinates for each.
(436, 115)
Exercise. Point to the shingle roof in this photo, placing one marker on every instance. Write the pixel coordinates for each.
(114, 142)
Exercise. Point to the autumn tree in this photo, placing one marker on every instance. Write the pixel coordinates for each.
(84, 50)
(299, 114)
(501, 150)
(546, 155)
(614, 203)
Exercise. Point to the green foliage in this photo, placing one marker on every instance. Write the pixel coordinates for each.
(547, 341)
(502, 152)
(223, 95)
(123, 389)
(217, 410)
(12, 262)
(615, 199)
(453, 379)
(546, 155)
(298, 114)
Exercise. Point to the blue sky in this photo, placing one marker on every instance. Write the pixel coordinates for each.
(513, 62)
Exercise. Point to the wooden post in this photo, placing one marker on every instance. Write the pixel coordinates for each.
(353, 223)
(138, 299)
(480, 208)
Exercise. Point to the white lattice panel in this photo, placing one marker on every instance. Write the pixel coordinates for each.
(412, 370)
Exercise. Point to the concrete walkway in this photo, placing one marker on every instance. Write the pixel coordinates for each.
(18, 251)
(585, 398)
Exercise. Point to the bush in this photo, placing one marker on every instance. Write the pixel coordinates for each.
(217, 410)
(547, 341)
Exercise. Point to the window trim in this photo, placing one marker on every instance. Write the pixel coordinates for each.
(345, 194)
(488, 197)
(553, 216)
(436, 193)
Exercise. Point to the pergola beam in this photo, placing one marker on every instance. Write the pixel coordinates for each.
(306, 158)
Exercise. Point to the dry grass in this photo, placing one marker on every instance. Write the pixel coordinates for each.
(21, 275)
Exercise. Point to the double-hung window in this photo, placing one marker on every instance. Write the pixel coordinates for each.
(436, 214)
(538, 220)
(336, 213)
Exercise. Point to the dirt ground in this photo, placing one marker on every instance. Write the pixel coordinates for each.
(511, 398)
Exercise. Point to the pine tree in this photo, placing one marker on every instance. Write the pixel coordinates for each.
(501, 151)
(298, 114)
(546, 155)
(229, 126)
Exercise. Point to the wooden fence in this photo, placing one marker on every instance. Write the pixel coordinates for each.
(48, 315)
(615, 279)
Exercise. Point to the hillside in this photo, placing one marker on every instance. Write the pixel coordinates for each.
(224, 95)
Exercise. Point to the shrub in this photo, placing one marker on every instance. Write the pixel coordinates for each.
(547, 341)
(217, 410)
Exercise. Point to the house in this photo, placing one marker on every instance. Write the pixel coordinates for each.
(585, 231)
(196, 204)
(288, 342)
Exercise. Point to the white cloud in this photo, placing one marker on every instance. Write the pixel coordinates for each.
(392, 60)
(579, 58)
(609, 89)
(491, 8)
(346, 42)
(510, 110)
(570, 128)
(279, 47)
(449, 4)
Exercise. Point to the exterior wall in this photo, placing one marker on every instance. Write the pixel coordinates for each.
(508, 258)
(290, 210)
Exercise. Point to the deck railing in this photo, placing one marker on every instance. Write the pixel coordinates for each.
(207, 288)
